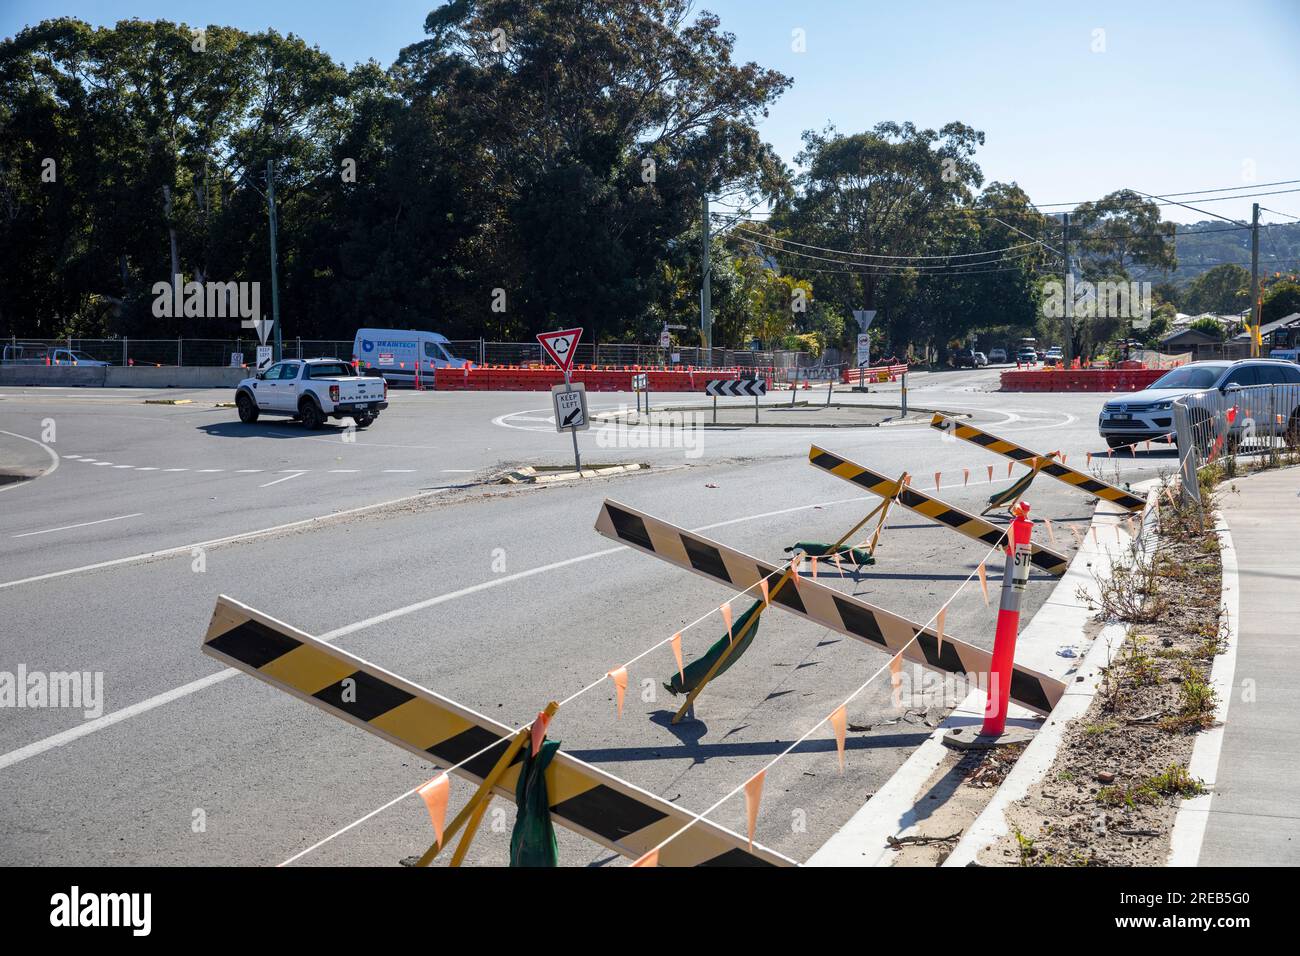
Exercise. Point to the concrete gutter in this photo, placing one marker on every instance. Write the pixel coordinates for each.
(896, 808)
(1194, 813)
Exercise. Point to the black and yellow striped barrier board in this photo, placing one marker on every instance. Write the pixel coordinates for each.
(1060, 472)
(841, 612)
(1053, 562)
(601, 807)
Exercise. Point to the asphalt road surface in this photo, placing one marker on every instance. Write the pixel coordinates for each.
(395, 543)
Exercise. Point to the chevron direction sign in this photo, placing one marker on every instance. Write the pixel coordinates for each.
(737, 387)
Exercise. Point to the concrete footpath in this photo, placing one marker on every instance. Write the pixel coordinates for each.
(1254, 816)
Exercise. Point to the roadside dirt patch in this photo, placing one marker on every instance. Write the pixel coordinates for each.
(1111, 795)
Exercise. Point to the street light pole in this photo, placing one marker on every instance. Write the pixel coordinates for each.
(275, 282)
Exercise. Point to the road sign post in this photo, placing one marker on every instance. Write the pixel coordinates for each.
(562, 346)
(736, 387)
(1014, 578)
(864, 319)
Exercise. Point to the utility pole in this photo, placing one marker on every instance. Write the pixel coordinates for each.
(706, 303)
(1066, 317)
(1254, 282)
(275, 282)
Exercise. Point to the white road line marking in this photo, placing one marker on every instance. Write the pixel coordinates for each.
(343, 471)
(147, 468)
(108, 720)
(69, 527)
(67, 736)
(294, 471)
(209, 471)
(175, 469)
(249, 471)
(73, 457)
(296, 474)
(124, 466)
(102, 463)
(398, 471)
(214, 542)
(47, 449)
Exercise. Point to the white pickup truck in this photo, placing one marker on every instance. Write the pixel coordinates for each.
(312, 390)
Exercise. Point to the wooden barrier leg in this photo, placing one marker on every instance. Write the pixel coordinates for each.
(880, 526)
(472, 812)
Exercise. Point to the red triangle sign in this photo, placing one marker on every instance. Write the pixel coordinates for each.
(561, 346)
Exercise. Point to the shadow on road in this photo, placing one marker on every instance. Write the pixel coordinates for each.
(270, 429)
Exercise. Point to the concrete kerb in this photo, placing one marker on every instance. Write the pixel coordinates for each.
(896, 810)
(1194, 813)
(631, 418)
(1037, 758)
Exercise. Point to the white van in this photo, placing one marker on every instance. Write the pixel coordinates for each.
(393, 353)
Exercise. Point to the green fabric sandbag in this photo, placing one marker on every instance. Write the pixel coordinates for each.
(1011, 494)
(532, 842)
(696, 669)
(819, 549)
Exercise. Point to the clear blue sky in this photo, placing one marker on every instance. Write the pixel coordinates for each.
(1186, 95)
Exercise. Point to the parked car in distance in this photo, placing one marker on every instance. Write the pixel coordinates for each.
(1027, 356)
(981, 360)
(997, 355)
(394, 354)
(312, 390)
(1149, 414)
(21, 354)
(965, 358)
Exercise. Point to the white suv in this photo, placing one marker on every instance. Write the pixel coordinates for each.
(1150, 413)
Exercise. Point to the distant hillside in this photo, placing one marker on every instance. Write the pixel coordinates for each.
(1204, 245)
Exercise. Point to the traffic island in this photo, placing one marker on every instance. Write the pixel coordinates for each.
(546, 474)
(804, 414)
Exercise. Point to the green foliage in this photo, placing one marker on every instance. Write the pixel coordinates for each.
(1223, 290)
(1280, 299)
(1210, 327)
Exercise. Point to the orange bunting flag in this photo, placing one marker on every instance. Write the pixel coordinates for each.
(965, 477)
(753, 794)
(840, 724)
(1078, 535)
(896, 679)
(1010, 465)
(1063, 456)
(835, 556)
(1169, 493)
(907, 480)
(938, 626)
(435, 794)
(814, 569)
(762, 585)
(1128, 522)
(1110, 452)
(1148, 444)
(650, 859)
(619, 676)
(990, 472)
(1088, 457)
(984, 582)
(677, 654)
(936, 480)
(538, 731)
(726, 616)
(1051, 535)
